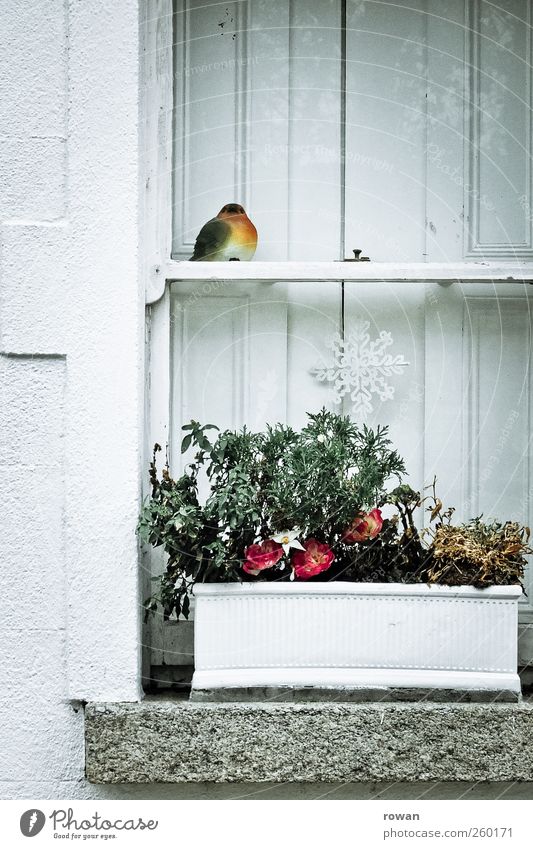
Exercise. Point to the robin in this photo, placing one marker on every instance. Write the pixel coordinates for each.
(229, 236)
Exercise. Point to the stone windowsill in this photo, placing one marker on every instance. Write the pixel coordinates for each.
(174, 740)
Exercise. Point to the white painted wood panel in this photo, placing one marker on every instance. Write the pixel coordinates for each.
(268, 86)
(438, 132)
(499, 129)
(257, 121)
(228, 355)
(315, 195)
(234, 353)
(446, 140)
(398, 309)
(478, 391)
(314, 317)
(156, 132)
(210, 129)
(392, 272)
(386, 129)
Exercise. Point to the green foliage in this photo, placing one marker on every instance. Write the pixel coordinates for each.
(316, 482)
(260, 484)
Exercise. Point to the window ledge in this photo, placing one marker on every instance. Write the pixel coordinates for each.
(173, 740)
(390, 272)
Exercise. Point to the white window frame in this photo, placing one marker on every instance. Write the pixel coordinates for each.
(158, 156)
(161, 270)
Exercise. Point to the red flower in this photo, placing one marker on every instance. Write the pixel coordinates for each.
(364, 527)
(263, 556)
(316, 558)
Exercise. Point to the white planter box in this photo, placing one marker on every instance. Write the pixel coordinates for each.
(356, 636)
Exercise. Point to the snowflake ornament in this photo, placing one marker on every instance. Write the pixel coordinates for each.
(360, 367)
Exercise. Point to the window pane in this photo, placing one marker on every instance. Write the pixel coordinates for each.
(257, 121)
(436, 163)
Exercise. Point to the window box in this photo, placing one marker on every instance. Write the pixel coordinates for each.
(354, 637)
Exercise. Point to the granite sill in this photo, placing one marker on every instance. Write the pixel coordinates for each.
(172, 740)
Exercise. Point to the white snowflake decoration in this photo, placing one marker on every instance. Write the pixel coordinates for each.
(360, 367)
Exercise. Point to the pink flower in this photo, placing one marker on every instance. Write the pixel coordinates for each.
(364, 527)
(263, 556)
(315, 558)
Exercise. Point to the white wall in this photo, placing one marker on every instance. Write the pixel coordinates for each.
(71, 319)
(71, 327)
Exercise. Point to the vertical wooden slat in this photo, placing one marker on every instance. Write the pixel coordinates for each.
(385, 130)
(156, 140)
(499, 51)
(447, 110)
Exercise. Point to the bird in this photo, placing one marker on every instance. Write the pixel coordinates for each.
(229, 236)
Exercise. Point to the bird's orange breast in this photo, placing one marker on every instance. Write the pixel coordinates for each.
(243, 231)
(243, 237)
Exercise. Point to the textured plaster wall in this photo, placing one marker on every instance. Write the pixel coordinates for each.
(71, 325)
(71, 318)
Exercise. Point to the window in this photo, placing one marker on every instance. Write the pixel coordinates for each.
(403, 130)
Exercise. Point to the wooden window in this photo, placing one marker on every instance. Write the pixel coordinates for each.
(401, 129)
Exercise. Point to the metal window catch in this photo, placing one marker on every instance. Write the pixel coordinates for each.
(356, 257)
